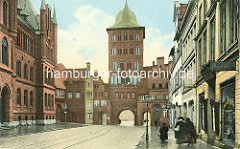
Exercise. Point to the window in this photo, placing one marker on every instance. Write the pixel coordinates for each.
(19, 96)
(4, 13)
(5, 51)
(31, 74)
(199, 54)
(114, 51)
(122, 66)
(129, 66)
(25, 98)
(125, 51)
(137, 51)
(31, 98)
(114, 79)
(212, 53)
(113, 37)
(131, 51)
(96, 103)
(200, 15)
(78, 95)
(46, 75)
(153, 86)
(89, 116)
(204, 57)
(52, 101)
(18, 68)
(137, 37)
(119, 51)
(160, 86)
(103, 103)
(70, 95)
(25, 76)
(49, 100)
(45, 100)
(233, 20)
(223, 27)
(119, 37)
(125, 36)
(205, 8)
(114, 65)
(136, 66)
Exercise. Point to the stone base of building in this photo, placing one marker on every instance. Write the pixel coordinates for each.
(27, 122)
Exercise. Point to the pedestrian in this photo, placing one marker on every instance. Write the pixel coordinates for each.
(190, 132)
(163, 132)
(119, 121)
(156, 123)
(180, 131)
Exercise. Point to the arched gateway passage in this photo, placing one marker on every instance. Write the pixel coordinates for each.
(126, 118)
(4, 105)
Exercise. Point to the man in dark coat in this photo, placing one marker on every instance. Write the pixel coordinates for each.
(180, 131)
(163, 132)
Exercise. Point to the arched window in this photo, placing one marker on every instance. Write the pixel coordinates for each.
(25, 71)
(18, 68)
(19, 96)
(4, 13)
(31, 74)
(45, 99)
(31, 98)
(5, 51)
(25, 98)
(49, 100)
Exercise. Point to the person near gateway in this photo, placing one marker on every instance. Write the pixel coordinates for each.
(180, 131)
(163, 132)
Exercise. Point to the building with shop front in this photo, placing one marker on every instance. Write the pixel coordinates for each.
(28, 49)
(217, 75)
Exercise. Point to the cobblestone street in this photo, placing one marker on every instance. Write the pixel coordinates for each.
(156, 143)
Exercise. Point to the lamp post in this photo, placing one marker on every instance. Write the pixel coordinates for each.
(65, 112)
(147, 99)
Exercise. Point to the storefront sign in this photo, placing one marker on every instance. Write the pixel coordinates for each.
(223, 66)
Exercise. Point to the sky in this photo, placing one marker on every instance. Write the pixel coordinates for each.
(82, 24)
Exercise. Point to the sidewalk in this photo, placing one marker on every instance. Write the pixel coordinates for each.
(32, 129)
(156, 143)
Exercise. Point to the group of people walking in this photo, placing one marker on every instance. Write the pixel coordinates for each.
(184, 131)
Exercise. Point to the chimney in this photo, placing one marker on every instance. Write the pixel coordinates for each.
(153, 63)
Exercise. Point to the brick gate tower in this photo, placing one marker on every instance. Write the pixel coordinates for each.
(126, 47)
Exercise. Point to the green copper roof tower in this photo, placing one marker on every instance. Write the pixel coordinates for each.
(125, 19)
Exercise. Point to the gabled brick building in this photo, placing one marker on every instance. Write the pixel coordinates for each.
(29, 48)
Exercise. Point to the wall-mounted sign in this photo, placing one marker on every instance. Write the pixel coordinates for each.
(223, 66)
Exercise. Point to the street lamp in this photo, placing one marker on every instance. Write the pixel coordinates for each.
(147, 99)
(65, 112)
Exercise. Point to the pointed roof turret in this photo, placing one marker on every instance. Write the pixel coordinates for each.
(54, 16)
(125, 19)
(43, 5)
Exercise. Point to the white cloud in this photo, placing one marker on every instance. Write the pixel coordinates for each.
(86, 40)
(156, 45)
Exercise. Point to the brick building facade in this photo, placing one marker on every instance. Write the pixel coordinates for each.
(75, 94)
(29, 48)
